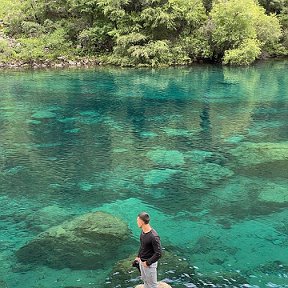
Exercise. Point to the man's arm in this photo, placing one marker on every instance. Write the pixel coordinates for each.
(157, 251)
(138, 255)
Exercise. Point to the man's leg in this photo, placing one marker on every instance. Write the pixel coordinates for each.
(152, 275)
(143, 274)
(149, 275)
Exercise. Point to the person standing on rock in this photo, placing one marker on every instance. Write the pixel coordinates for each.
(150, 251)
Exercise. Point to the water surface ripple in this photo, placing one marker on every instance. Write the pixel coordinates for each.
(203, 149)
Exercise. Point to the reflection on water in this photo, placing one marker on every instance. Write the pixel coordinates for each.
(203, 149)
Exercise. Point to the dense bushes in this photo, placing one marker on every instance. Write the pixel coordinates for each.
(145, 32)
(241, 34)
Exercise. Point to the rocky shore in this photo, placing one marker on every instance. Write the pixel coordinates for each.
(60, 62)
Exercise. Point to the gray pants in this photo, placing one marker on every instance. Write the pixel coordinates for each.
(149, 275)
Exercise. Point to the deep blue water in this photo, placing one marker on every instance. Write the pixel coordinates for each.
(203, 149)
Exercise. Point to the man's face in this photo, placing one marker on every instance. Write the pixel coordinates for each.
(140, 222)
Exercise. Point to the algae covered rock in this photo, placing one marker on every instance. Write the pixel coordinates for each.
(47, 217)
(203, 175)
(258, 153)
(202, 156)
(172, 132)
(156, 176)
(274, 193)
(274, 267)
(44, 114)
(3, 284)
(170, 158)
(82, 243)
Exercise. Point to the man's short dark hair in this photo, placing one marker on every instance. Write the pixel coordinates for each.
(144, 216)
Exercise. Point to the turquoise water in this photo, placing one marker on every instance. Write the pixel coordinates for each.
(203, 149)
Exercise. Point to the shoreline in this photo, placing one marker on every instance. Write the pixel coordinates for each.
(63, 62)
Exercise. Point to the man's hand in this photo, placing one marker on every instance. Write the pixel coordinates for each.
(145, 264)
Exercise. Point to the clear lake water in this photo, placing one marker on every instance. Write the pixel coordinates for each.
(203, 149)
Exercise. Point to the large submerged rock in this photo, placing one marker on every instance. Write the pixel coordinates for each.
(3, 284)
(155, 177)
(45, 114)
(83, 243)
(170, 158)
(46, 217)
(274, 193)
(259, 153)
(203, 175)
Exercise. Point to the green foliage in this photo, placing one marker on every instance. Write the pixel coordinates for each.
(113, 9)
(32, 29)
(197, 45)
(237, 23)
(273, 6)
(153, 53)
(30, 49)
(6, 52)
(267, 28)
(145, 32)
(161, 34)
(245, 54)
(232, 22)
(9, 8)
(45, 47)
(95, 39)
(283, 18)
(285, 41)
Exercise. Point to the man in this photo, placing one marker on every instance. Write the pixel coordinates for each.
(149, 252)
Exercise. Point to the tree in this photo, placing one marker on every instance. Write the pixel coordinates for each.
(236, 22)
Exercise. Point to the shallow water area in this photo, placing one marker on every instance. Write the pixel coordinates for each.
(202, 149)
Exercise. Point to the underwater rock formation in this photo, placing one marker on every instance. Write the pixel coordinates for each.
(274, 193)
(155, 177)
(203, 175)
(81, 243)
(3, 284)
(170, 158)
(259, 153)
(172, 132)
(202, 156)
(47, 217)
(43, 115)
